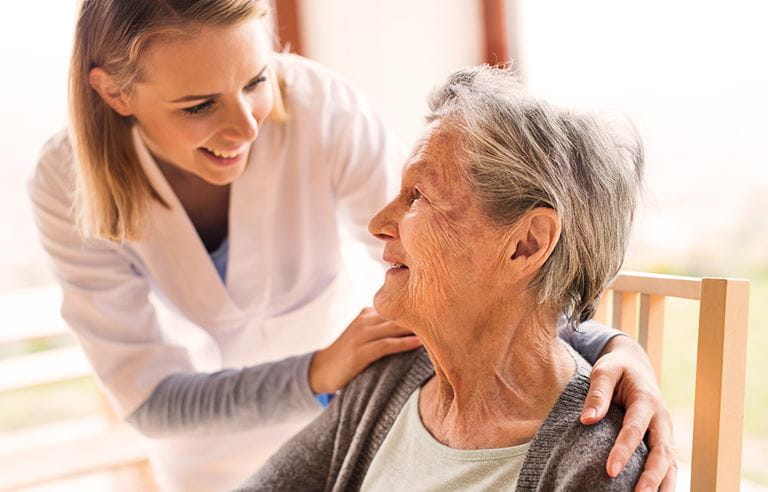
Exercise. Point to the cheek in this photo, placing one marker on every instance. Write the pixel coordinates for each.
(439, 259)
(196, 133)
(181, 134)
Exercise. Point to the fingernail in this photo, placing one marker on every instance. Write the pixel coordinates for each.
(590, 413)
(616, 469)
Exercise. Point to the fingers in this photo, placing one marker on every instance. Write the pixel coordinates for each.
(670, 481)
(369, 320)
(369, 326)
(387, 346)
(367, 316)
(601, 388)
(636, 420)
(661, 466)
(386, 329)
(371, 337)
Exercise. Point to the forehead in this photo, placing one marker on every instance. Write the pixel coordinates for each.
(435, 157)
(205, 60)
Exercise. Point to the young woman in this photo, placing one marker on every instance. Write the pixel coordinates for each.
(204, 169)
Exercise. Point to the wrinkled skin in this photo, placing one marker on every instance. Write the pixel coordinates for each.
(440, 231)
(499, 367)
(434, 226)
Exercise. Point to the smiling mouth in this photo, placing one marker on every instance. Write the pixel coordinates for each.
(222, 154)
(222, 158)
(398, 266)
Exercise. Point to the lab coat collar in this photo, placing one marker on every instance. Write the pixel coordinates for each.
(177, 257)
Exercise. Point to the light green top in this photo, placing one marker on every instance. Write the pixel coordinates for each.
(411, 459)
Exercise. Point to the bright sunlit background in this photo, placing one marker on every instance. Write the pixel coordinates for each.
(690, 74)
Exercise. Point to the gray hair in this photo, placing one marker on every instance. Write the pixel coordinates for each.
(522, 153)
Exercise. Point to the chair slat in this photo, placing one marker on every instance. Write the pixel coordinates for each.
(662, 285)
(651, 329)
(720, 373)
(603, 308)
(625, 312)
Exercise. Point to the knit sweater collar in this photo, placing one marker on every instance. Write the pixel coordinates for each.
(420, 370)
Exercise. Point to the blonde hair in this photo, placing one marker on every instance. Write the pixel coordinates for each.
(113, 192)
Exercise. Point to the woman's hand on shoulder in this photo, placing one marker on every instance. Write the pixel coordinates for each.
(368, 338)
(624, 374)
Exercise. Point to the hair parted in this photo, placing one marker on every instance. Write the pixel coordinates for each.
(113, 192)
(522, 153)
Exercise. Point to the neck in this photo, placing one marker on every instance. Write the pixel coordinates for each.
(495, 389)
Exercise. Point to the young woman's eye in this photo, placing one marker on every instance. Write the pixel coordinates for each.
(255, 83)
(199, 108)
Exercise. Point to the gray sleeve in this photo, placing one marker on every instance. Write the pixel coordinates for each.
(228, 400)
(589, 339)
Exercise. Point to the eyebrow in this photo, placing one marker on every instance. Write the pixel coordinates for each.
(194, 97)
(425, 170)
(425, 178)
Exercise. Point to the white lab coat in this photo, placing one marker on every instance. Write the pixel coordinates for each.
(332, 155)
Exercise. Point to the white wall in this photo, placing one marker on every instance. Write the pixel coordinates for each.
(35, 40)
(394, 51)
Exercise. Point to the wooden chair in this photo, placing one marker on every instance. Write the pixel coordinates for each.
(635, 304)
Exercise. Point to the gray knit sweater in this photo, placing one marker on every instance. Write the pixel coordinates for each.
(334, 451)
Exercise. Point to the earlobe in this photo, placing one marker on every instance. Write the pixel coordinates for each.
(109, 91)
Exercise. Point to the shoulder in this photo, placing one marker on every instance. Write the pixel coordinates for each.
(389, 375)
(306, 82)
(587, 454)
(572, 456)
(54, 173)
(304, 79)
(372, 400)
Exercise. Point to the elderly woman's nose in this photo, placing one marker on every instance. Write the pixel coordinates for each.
(383, 225)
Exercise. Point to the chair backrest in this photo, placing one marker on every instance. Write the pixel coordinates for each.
(634, 304)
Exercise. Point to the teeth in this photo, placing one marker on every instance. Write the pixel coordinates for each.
(225, 155)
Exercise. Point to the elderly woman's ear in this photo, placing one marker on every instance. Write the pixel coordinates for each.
(532, 240)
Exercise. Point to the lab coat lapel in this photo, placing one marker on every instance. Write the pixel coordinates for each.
(176, 257)
(251, 216)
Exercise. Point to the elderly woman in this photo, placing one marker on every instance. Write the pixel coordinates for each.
(512, 214)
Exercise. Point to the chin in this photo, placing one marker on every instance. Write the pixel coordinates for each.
(223, 178)
(385, 306)
(218, 181)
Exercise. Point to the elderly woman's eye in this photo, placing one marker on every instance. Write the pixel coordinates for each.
(415, 195)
